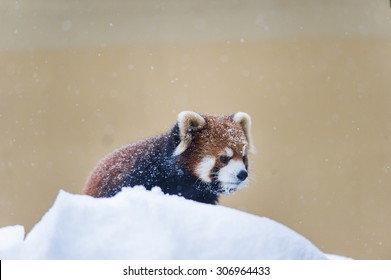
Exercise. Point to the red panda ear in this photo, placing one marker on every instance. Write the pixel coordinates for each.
(244, 120)
(188, 122)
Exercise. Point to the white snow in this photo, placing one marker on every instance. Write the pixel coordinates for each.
(140, 224)
(11, 238)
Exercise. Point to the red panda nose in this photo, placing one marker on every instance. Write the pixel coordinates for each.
(242, 175)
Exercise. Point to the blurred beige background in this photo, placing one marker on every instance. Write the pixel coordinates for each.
(79, 78)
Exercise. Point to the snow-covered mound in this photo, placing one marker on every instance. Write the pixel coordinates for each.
(140, 224)
(11, 239)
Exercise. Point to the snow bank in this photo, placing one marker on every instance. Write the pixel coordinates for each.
(11, 239)
(140, 224)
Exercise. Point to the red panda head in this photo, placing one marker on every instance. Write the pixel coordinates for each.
(215, 148)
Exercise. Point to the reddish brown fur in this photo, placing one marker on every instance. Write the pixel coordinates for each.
(110, 167)
(219, 132)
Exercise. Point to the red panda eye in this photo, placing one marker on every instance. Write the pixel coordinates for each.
(224, 159)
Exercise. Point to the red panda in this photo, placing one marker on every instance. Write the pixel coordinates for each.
(201, 157)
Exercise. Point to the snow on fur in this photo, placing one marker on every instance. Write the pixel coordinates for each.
(140, 224)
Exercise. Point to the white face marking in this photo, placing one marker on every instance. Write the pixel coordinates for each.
(229, 152)
(204, 168)
(228, 176)
(244, 150)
